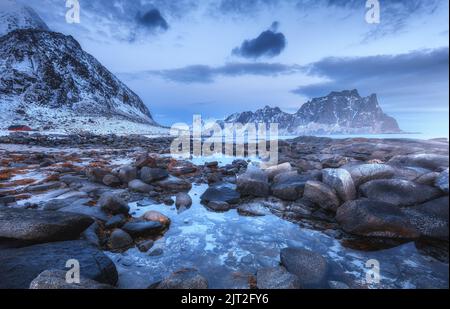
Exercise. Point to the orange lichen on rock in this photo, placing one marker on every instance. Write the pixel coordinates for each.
(52, 177)
(5, 175)
(23, 182)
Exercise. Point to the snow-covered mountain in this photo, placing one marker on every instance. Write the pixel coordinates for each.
(48, 81)
(343, 112)
(14, 16)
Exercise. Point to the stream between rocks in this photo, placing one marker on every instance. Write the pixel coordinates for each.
(228, 248)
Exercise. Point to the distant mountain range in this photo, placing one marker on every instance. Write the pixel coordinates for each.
(47, 80)
(344, 112)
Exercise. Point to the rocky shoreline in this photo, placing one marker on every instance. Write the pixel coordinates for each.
(71, 197)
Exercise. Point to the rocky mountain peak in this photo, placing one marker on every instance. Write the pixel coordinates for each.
(15, 16)
(48, 80)
(340, 112)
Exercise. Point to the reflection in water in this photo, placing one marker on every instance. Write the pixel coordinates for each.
(226, 246)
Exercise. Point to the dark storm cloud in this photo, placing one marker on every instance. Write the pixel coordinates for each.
(268, 44)
(415, 73)
(152, 19)
(207, 74)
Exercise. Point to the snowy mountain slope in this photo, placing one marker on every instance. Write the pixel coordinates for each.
(48, 81)
(343, 112)
(14, 16)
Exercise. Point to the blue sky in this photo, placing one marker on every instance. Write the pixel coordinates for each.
(217, 57)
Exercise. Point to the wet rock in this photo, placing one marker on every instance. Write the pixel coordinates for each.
(113, 204)
(188, 278)
(321, 195)
(140, 186)
(289, 186)
(278, 169)
(253, 182)
(5, 200)
(145, 159)
(183, 200)
(168, 201)
(219, 206)
(252, 209)
(367, 217)
(116, 221)
(173, 183)
(341, 181)
(111, 181)
(427, 179)
(91, 234)
(155, 216)
(44, 187)
(442, 181)
(71, 179)
(96, 174)
(337, 285)
(399, 192)
(21, 266)
(149, 175)
(180, 168)
(145, 245)
(143, 228)
(365, 172)
(428, 161)
(156, 252)
(127, 174)
(91, 211)
(311, 268)
(276, 278)
(55, 279)
(213, 164)
(220, 194)
(431, 218)
(119, 239)
(37, 226)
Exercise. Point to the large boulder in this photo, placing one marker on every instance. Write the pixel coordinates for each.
(184, 279)
(253, 182)
(442, 181)
(367, 217)
(149, 175)
(310, 267)
(111, 181)
(137, 185)
(175, 184)
(363, 173)
(431, 218)
(119, 239)
(289, 186)
(425, 160)
(127, 173)
(155, 216)
(273, 171)
(183, 200)
(340, 180)
(19, 267)
(55, 279)
(399, 192)
(321, 195)
(220, 194)
(37, 226)
(143, 228)
(276, 278)
(113, 204)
